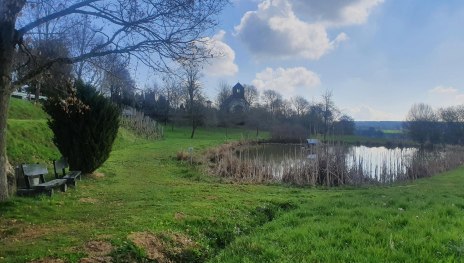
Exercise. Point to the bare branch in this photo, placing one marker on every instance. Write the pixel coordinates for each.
(70, 10)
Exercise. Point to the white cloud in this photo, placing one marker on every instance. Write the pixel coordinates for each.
(442, 96)
(286, 81)
(443, 90)
(298, 28)
(355, 13)
(223, 62)
(367, 113)
(335, 13)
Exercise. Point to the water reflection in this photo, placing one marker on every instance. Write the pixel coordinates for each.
(375, 161)
(369, 161)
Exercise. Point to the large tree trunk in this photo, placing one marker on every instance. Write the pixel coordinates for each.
(9, 38)
(4, 100)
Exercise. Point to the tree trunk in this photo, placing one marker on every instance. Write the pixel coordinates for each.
(9, 38)
(192, 110)
(37, 93)
(4, 101)
(194, 126)
(193, 132)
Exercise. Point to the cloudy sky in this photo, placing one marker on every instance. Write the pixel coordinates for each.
(377, 56)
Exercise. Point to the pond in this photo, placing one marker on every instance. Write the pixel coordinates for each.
(331, 165)
(373, 162)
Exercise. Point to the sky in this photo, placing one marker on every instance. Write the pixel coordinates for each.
(378, 57)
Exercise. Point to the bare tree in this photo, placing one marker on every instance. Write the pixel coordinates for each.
(421, 123)
(151, 31)
(272, 100)
(172, 90)
(85, 36)
(117, 81)
(225, 90)
(329, 111)
(53, 80)
(251, 94)
(192, 74)
(300, 105)
(286, 109)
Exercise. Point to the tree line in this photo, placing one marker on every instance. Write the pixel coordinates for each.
(426, 125)
(287, 119)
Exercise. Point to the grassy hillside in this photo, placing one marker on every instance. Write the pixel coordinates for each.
(25, 110)
(149, 205)
(29, 140)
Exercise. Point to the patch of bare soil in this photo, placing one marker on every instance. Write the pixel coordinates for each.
(183, 240)
(88, 200)
(211, 197)
(166, 247)
(48, 260)
(152, 245)
(98, 248)
(15, 231)
(179, 216)
(96, 260)
(97, 175)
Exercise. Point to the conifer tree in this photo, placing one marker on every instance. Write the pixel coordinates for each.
(85, 126)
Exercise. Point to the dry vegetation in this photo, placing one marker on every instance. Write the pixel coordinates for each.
(330, 165)
(143, 126)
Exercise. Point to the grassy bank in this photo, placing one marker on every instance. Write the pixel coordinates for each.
(142, 193)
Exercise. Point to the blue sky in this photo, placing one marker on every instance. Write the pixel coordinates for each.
(377, 56)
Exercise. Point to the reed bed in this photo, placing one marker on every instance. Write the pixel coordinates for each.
(142, 125)
(331, 165)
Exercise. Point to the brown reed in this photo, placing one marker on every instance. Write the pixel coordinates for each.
(330, 166)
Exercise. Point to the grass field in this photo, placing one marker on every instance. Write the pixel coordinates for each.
(149, 205)
(392, 131)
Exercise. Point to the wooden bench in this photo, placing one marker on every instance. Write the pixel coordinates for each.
(60, 167)
(35, 180)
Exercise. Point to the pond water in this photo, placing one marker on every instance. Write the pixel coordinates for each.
(372, 161)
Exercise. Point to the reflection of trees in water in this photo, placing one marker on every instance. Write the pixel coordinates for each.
(336, 165)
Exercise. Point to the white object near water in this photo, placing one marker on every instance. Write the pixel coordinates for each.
(312, 141)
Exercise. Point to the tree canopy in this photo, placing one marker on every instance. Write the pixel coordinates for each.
(154, 32)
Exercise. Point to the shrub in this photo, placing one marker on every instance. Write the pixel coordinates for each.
(289, 133)
(84, 125)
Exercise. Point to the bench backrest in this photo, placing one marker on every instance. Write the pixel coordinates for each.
(60, 166)
(32, 171)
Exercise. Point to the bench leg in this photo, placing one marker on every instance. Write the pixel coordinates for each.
(72, 182)
(50, 192)
(64, 187)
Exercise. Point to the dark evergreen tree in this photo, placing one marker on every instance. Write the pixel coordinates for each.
(85, 126)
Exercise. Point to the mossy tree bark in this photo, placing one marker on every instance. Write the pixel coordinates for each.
(9, 39)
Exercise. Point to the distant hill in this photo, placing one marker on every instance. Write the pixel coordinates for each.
(379, 125)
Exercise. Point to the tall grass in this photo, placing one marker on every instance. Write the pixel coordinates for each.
(331, 165)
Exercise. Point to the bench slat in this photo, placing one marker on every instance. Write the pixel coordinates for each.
(50, 184)
(60, 167)
(34, 169)
(72, 174)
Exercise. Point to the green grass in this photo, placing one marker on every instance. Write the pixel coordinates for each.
(146, 189)
(418, 222)
(29, 140)
(392, 131)
(25, 110)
